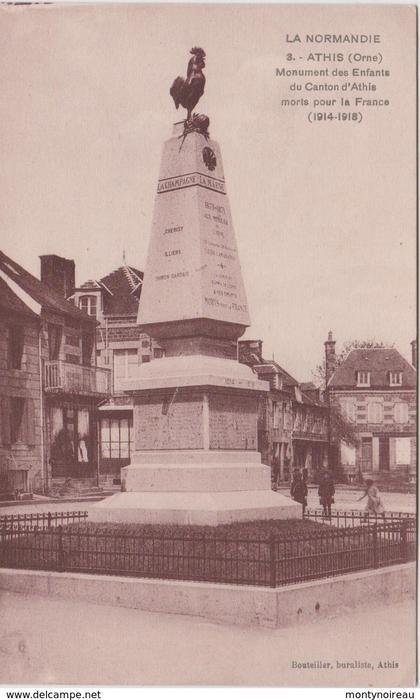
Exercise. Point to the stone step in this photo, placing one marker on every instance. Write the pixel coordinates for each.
(196, 477)
(195, 508)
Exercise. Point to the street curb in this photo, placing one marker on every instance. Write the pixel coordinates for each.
(254, 606)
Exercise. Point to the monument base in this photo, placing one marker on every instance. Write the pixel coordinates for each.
(195, 487)
(190, 508)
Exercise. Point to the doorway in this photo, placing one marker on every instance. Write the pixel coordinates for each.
(384, 454)
(366, 454)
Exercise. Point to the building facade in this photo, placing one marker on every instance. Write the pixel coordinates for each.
(374, 389)
(21, 401)
(121, 347)
(293, 421)
(50, 383)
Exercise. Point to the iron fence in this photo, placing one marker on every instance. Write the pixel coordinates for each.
(353, 518)
(274, 561)
(41, 521)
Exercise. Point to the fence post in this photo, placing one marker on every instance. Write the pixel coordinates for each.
(60, 563)
(403, 539)
(272, 545)
(375, 545)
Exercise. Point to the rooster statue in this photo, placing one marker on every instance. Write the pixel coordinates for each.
(187, 92)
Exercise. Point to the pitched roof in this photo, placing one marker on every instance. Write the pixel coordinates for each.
(379, 362)
(272, 367)
(41, 292)
(308, 386)
(267, 369)
(9, 301)
(121, 291)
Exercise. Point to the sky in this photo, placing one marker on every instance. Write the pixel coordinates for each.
(324, 214)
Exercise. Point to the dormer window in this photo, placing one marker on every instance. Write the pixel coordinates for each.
(89, 304)
(363, 378)
(278, 381)
(395, 378)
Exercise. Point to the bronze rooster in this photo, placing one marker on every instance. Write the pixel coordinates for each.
(187, 92)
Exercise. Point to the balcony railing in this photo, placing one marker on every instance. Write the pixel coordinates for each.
(70, 378)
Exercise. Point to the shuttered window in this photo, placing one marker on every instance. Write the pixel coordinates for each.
(375, 412)
(17, 407)
(401, 412)
(17, 421)
(15, 347)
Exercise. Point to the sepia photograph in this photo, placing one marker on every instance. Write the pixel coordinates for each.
(208, 345)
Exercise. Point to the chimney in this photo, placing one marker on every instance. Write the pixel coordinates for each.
(330, 359)
(250, 352)
(59, 274)
(414, 353)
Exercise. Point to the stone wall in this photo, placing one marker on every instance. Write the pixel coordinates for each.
(23, 457)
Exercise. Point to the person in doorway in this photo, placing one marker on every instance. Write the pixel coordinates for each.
(374, 503)
(82, 450)
(326, 493)
(299, 490)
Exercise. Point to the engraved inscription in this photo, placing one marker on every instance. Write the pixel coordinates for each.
(190, 180)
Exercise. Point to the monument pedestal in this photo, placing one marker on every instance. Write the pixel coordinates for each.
(195, 458)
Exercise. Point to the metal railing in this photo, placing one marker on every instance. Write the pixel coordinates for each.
(40, 521)
(354, 518)
(273, 561)
(77, 379)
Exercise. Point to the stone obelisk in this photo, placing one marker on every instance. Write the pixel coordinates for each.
(195, 458)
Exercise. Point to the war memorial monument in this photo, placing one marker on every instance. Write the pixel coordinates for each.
(195, 458)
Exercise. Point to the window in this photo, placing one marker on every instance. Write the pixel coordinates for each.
(363, 378)
(395, 378)
(55, 334)
(73, 340)
(375, 412)
(145, 343)
(88, 342)
(17, 406)
(116, 438)
(88, 303)
(158, 353)
(348, 409)
(401, 412)
(15, 347)
(402, 451)
(145, 358)
(18, 420)
(125, 362)
(286, 415)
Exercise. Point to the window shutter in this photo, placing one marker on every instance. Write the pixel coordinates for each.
(5, 420)
(28, 433)
(19, 346)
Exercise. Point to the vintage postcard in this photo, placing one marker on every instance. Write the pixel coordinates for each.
(208, 345)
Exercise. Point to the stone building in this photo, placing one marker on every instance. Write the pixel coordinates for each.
(292, 425)
(50, 384)
(375, 390)
(113, 301)
(20, 402)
